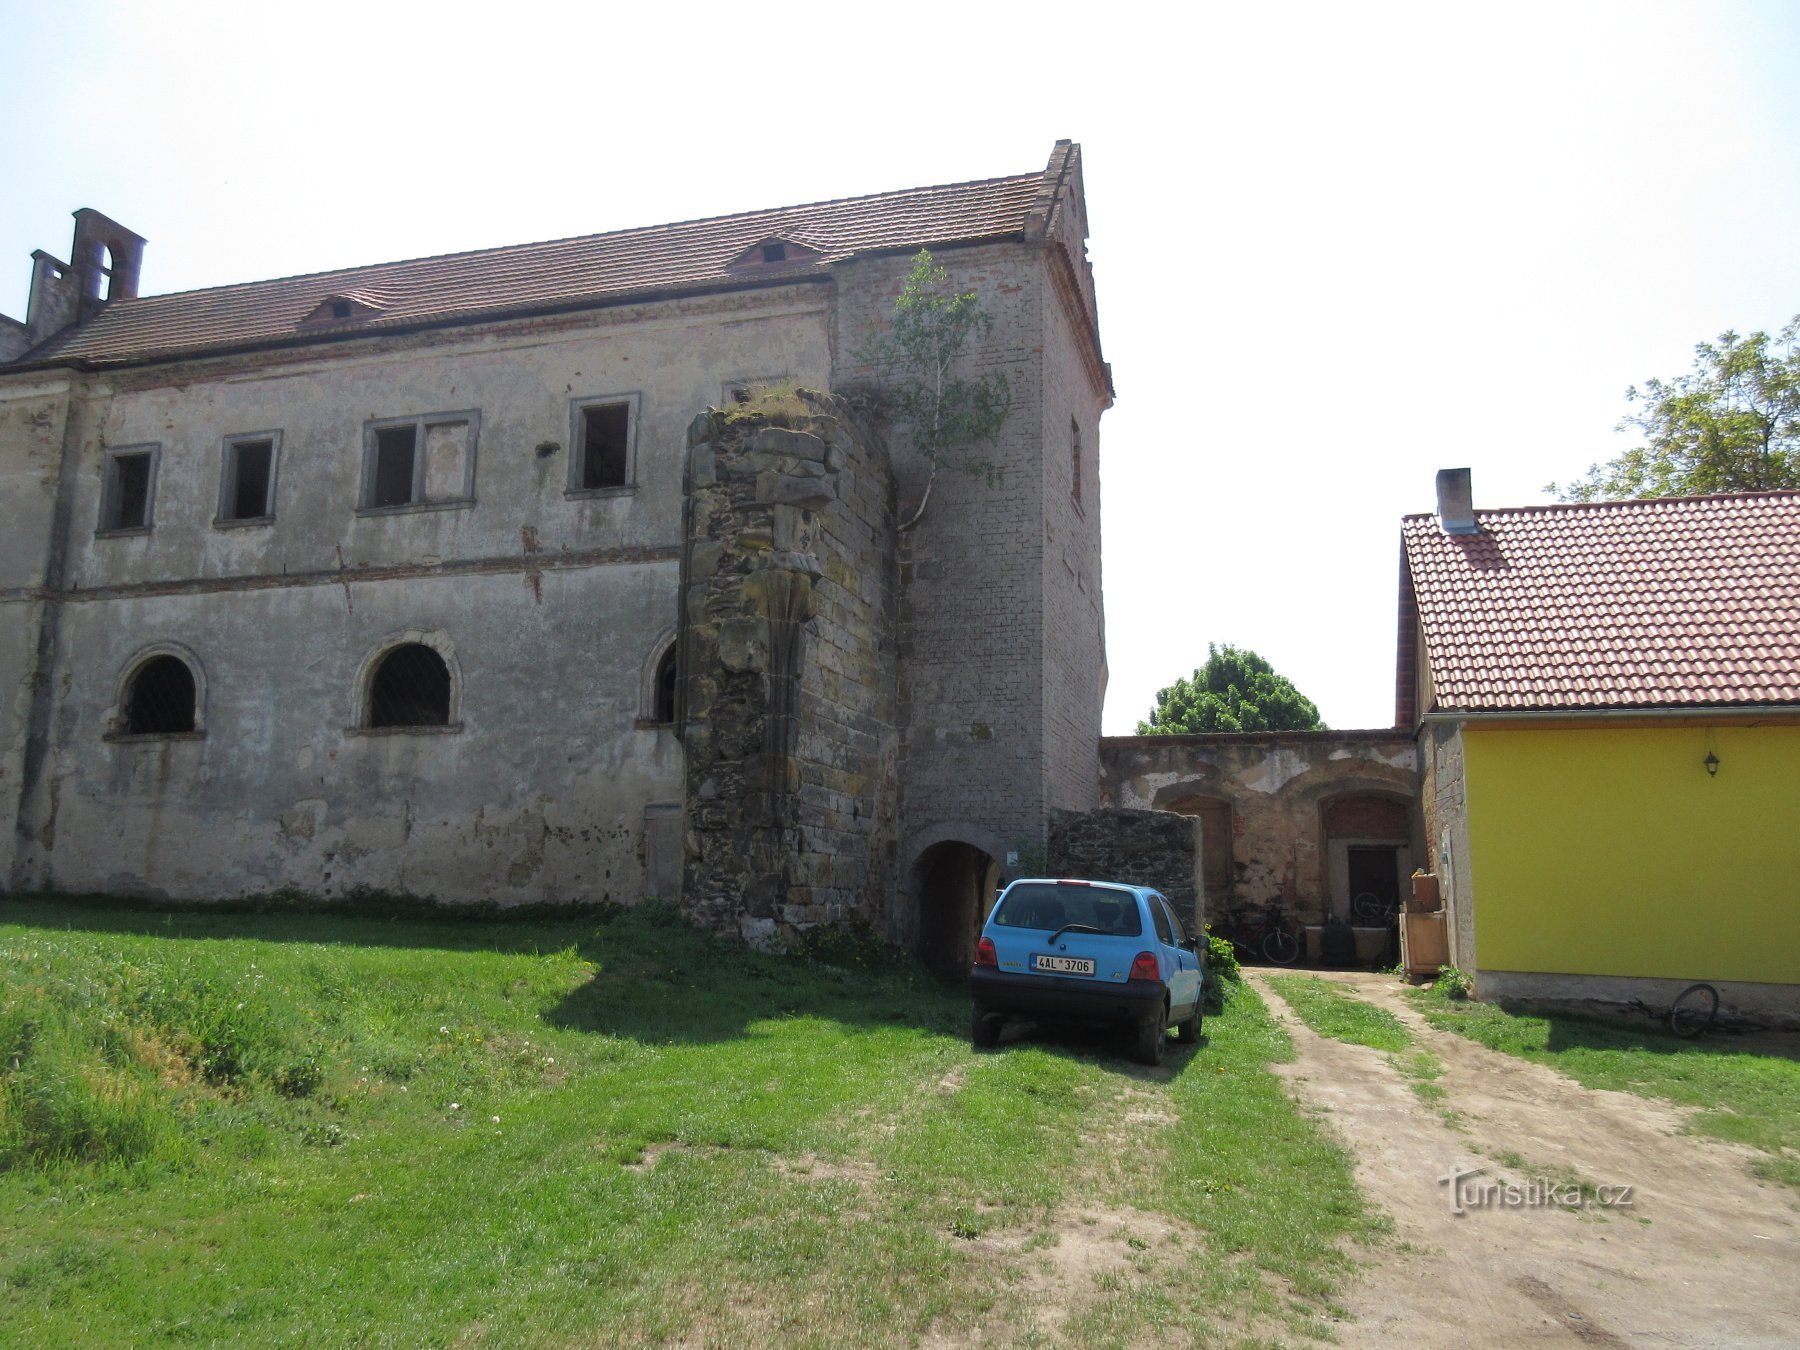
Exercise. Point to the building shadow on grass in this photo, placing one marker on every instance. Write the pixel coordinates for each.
(1575, 1031)
(652, 977)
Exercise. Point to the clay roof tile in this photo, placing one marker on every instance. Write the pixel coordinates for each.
(1680, 601)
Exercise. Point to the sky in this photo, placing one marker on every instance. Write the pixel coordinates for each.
(1337, 246)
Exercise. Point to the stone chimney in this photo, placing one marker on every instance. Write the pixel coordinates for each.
(106, 258)
(1456, 502)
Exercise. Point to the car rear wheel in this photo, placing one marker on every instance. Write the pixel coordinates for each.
(1188, 1031)
(984, 1031)
(1153, 1039)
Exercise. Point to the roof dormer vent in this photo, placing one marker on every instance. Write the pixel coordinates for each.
(345, 307)
(776, 251)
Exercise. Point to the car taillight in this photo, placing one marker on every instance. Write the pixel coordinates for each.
(985, 955)
(1144, 967)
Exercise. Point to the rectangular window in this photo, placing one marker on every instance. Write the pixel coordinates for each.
(603, 432)
(128, 494)
(419, 462)
(396, 456)
(247, 478)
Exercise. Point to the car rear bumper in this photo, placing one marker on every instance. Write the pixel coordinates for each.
(1065, 998)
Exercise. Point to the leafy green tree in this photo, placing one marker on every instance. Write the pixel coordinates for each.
(913, 359)
(1236, 690)
(1731, 425)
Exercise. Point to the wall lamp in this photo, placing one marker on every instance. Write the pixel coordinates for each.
(1712, 764)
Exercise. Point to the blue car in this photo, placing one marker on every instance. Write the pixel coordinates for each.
(1093, 952)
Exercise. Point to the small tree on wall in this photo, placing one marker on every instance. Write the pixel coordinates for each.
(913, 358)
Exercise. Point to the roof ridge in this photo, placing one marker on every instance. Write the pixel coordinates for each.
(329, 272)
(1615, 503)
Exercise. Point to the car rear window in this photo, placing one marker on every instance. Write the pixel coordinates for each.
(1049, 906)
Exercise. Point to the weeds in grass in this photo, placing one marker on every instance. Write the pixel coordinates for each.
(1422, 1069)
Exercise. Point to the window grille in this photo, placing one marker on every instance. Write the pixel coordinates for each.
(411, 688)
(160, 701)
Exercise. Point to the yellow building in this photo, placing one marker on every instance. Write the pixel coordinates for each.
(1607, 701)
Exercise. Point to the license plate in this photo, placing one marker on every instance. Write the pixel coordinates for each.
(1063, 965)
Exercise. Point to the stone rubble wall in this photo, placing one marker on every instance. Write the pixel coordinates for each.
(788, 660)
(1145, 848)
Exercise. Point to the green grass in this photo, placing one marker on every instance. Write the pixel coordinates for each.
(1743, 1095)
(1328, 1010)
(291, 1128)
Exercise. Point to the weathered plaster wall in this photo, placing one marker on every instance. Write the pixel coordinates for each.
(33, 421)
(1145, 848)
(1278, 786)
(1443, 799)
(550, 604)
(790, 671)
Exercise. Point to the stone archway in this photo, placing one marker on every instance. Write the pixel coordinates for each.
(953, 881)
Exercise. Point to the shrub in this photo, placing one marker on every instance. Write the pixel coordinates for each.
(1453, 983)
(1221, 974)
(1221, 958)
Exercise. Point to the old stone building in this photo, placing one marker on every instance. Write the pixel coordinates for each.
(437, 576)
(1305, 820)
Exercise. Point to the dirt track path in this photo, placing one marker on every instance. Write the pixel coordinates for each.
(1705, 1255)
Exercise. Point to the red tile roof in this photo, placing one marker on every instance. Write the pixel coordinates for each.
(563, 273)
(1683, 601)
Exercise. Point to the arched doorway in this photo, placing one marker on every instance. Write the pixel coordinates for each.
(954, 882)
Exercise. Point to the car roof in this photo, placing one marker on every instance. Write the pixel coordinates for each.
(1077, 881)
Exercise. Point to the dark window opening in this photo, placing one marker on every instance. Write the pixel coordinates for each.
(340, 309)
(1374, 882)
(740, 393)
(396, 448)
(1075, 457)
(131, 492)
(774, 252)
(664, 712)
(252, 463)
(605, 444)
(411, 689)
(160, 701)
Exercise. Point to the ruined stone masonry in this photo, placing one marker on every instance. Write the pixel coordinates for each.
(787, 642)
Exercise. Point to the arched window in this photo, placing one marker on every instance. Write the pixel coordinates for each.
(159, 700)
(664, 709)
(410, 688)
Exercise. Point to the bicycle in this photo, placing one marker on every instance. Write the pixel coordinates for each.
(1371, 909)
(1270, 938)
(1694, 1012)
